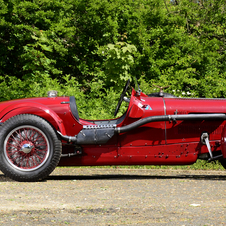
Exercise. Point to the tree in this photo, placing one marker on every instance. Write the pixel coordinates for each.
(93, 46)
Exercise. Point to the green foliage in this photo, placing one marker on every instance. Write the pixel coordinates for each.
(118, 62)
(90, 48)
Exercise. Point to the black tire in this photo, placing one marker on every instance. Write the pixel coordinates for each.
(223, 162)
(29, 148)
(164, 95)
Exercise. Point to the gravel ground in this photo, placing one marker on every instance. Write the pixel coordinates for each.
(89, 196)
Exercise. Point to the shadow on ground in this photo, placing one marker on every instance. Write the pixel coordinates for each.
(136, 177)
(127, 177)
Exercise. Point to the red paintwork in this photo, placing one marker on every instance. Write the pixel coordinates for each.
(156, 143)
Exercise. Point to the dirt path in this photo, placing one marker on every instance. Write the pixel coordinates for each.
(90, 196)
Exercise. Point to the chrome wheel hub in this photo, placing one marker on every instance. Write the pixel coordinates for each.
(26, 148)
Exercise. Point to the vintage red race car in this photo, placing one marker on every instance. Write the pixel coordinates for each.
(38, 134)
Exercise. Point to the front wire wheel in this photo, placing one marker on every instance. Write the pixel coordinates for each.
(26, 148)
(30, 148)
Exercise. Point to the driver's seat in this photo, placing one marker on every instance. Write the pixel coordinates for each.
(73, 107)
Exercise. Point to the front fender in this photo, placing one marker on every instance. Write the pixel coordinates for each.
(38, 109)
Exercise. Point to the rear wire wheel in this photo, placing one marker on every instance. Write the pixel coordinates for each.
(29, 148)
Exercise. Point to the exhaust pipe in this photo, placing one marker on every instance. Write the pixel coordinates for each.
(67, 138)
(169, 118)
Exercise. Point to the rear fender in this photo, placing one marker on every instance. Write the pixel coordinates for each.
(35, 109)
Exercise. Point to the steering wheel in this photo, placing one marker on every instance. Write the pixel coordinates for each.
(121, 97)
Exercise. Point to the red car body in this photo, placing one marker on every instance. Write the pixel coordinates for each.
(153, 131)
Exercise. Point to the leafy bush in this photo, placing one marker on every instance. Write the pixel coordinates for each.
(89, 48)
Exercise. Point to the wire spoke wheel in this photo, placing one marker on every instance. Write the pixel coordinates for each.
(26, 148)
(29, 148)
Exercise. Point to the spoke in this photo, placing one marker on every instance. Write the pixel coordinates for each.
(19, 136)
(21, 158)
(14, 139)
(13, 151)
(10, 145)
(38, 137)
(40, 158)
(30, 162)
(25, 163)
(15, 160)
(26, 134)
(34, 160)
(12, 154)
(41, 144)
(38, 150)
(39, 153)
(33, 132)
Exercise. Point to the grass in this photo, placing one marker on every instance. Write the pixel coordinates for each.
(199, 165)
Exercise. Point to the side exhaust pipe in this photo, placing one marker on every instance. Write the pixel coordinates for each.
(169, 118)
(67, 138)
